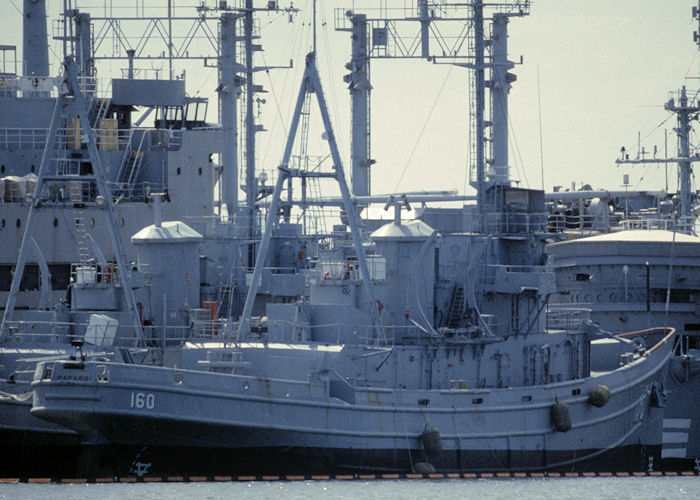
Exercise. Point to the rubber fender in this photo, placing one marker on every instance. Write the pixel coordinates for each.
(423, 468)
(599, 396)
(432, 442)
(561, 417)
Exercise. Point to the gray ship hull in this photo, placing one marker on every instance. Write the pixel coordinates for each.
(122, 461)
(344, 428)
(30, 447)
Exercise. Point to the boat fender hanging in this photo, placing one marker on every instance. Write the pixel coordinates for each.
(432, 442)
(599, 396)
(561, 418)
(423, 468)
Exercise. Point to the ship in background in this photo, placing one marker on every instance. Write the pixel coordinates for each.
(647, 272)
(169, 149)
(155, 145)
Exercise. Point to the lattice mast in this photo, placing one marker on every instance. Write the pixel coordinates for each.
(479, 43)
(686, 108)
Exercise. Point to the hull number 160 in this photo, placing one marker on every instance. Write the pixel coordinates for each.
(141, 400)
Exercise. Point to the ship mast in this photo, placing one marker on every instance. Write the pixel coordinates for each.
(58, 167)
(34, 49)
(686, 107)
(310, 84)
(473, 47)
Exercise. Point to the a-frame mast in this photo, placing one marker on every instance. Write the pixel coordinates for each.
(310, 84)
(70, 100)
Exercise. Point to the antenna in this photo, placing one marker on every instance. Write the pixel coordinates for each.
(539, 112)
(314, 22)
(696, 15)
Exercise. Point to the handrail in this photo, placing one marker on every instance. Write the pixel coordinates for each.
(670, 334)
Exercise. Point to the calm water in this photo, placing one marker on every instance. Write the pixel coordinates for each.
(507, 489)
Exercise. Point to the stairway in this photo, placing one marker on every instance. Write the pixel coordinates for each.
(454, 314)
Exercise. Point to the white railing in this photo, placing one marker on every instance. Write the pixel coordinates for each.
(23, 138)
(340, 270)
(61, 334)
(513, 222)
(567, 319)
(659, 223)
(35, 138)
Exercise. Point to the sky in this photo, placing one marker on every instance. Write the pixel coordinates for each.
(594, 73)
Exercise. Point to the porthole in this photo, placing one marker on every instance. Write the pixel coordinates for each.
(199, 171)
(19, 223)
(2, 224)
(32, 168)
(2, 169)
(121, 222)
(178, 171)
(55, 222)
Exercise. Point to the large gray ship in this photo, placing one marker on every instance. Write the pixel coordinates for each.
(155, 144)
(646, 271)
(357, 349)
(362, 372)
(152, 137)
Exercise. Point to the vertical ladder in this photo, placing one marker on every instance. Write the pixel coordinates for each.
(136, 162)
(81, 237)
(454, 316)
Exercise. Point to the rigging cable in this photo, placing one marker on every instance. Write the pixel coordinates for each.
(334, 97)
(539, 109)
(646, 169)
(296, 48)
(512, 139)
(425, 124)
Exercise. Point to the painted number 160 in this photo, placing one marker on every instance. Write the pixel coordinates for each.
(141, 400)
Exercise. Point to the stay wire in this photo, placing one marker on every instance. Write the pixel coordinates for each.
(425, 124)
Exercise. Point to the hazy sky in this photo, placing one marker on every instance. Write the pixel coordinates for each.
(605, 69)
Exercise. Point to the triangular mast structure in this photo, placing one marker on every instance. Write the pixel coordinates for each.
(311, 84)
(70, 103)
